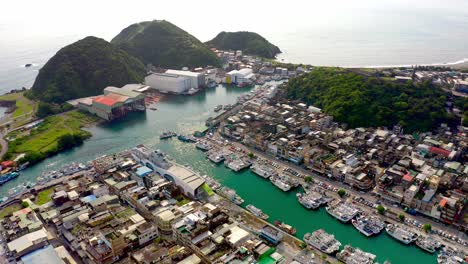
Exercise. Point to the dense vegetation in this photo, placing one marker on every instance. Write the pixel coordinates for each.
(361, 101)
(56, 133)
(85, 68)
(163, 44)
(249, 42)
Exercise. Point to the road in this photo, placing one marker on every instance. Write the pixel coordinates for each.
(3, 145)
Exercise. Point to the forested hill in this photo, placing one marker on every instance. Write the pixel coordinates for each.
(361, 101)
(249, 42)
(163, 44)
(85, 68)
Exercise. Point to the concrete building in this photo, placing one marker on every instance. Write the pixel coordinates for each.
(175, 81)
(461, 86)
(240, 77)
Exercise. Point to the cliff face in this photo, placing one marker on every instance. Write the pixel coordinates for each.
(249, 42)
(165, 45)
(85, 68)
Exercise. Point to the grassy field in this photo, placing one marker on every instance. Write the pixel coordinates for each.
(43, 139)
(23, 104)
(44, 196)
(10, 209)
(24, 110)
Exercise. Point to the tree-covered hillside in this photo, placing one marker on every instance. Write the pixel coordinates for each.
(249, 42)
(165, 45)
(361, 101)
(85, 68)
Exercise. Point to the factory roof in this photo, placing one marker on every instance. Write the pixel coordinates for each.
(184, 73)
(105, 100)
(121, 91)
(22, 243)
(188, 177)
(143, 171)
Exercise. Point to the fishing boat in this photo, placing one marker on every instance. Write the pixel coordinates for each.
(167, 134)
(286, 228)
(257, 212)
(342, 211)
(231, 195)
(401, 233)
(203, 145)
(428, 244)
(322, 241)
(368, 225)
(8, 177)
(218, 108)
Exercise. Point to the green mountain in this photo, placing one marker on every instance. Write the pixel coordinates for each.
(361, 101)
(249, 42)
(85, 68)
(163, 44)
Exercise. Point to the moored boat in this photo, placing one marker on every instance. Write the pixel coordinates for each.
(428, 244)
(322, 241)
(401, 233)
(342, 211)
(368, 225)
(286, 228)
(257, 212)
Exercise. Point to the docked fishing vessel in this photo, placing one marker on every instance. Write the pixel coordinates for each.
(238, 164)
(286, 228)
(428, 243)
(368, 225)
(187, 138)
(231, 195)
(257, 212)
(311, 199)
(280, 183)
(167, 134)
(342, 211)
(203, 145)
(8, 177)
(216, 157)
(401, 233)
(218, 108)
(450, 255)
(353, 255)
(322, 241)
(263, 170)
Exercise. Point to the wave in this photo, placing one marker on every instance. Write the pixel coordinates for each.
(458, 62)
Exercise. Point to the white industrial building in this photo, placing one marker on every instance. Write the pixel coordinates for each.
(175, 81)
(243, 76)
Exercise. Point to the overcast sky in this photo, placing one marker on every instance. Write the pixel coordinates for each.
(104, 18)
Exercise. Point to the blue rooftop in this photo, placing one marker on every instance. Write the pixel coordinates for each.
(89, 198)
(45, 255)
(143, 171)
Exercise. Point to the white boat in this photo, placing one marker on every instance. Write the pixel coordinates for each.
(368, 225)
(401, 234)
(203, 145)
(322, 241)
(281, 184)
(263, 171)
(428, 244)
(257, 212)
(342, 211)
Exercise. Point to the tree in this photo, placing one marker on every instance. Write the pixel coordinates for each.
(381, 209)
(24, 204)
(427, 228)
(303, 245)
(401, 217)
(308, 179)
(251, 155)
(341, 193)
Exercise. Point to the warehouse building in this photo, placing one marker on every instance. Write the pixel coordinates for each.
(115, 102)
(240, 77)
(174, 81)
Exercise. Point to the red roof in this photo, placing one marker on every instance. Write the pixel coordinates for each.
(7, 163)
(442, 202)
(105, 100)
(407, 177)
(439, 151)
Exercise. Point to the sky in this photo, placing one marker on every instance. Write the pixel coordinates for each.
(204, 19)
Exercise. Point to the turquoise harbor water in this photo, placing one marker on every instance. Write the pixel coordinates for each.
(185, 114)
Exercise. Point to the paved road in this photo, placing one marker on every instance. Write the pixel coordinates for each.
(3, 145)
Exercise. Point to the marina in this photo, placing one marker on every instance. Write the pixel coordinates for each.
(322, 241)
(342, 211)
(257, 212)
(401, 233)
(368, 225)
(253, 189)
